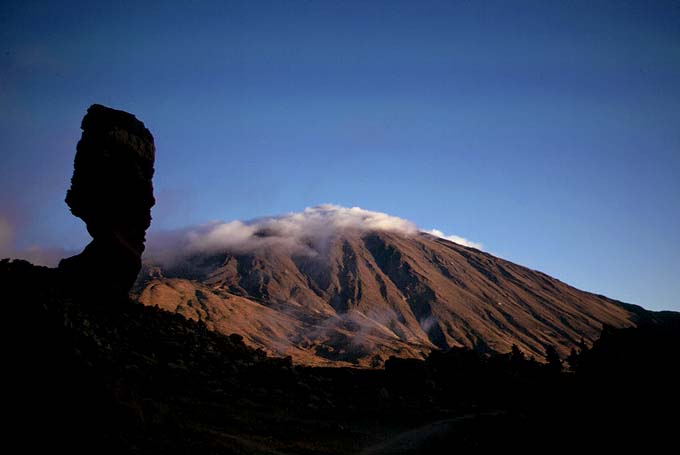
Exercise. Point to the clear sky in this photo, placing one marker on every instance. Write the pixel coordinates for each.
(549, 131)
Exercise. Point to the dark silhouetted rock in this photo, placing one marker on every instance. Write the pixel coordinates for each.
(112, 191)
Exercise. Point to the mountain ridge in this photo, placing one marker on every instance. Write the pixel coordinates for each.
(362, 295)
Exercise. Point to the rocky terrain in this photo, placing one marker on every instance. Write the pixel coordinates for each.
(86, 375)
(363, 296)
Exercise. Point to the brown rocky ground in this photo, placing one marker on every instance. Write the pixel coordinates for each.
(365, 296)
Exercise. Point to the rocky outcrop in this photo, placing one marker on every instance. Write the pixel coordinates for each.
(112, 192)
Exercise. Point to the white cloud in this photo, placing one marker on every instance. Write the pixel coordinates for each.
(456, 239)
(306, 232)
(220, 235)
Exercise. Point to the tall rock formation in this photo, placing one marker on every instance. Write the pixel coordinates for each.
(112, 192)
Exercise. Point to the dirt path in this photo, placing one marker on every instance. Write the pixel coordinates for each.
(412, 441)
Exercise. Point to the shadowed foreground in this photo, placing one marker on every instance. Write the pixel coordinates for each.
(127, 378)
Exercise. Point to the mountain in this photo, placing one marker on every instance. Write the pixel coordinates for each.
(358, 295)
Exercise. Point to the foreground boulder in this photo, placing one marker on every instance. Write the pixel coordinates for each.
(112, 192)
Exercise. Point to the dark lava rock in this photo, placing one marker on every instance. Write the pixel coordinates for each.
(112, 191)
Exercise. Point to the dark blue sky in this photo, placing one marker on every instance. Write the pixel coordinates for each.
(548, 131)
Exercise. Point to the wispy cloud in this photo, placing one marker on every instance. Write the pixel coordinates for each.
(456, 239)
(306, 232)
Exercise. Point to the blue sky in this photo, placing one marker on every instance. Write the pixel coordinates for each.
(548, 131)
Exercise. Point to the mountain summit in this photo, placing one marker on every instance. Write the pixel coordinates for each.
(349, 286)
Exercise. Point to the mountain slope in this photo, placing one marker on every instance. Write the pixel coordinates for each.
(361, 296)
